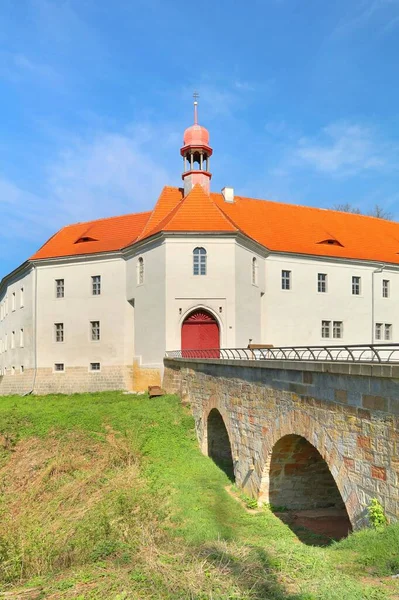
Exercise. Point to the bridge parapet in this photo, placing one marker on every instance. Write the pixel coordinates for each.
(348, 412)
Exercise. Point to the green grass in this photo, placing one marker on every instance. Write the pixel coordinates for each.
(107, 496)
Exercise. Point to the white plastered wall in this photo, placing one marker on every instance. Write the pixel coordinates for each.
(78, 308)
(214, 291)
(15, 320)
(148, 300)
(294, 316)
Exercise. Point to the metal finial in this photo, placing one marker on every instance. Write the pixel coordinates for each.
(196, 96)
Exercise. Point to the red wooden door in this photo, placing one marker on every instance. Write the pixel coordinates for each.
(200, 332)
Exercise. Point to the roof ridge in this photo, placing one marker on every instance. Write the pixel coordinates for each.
(165, 220)
(306, 206)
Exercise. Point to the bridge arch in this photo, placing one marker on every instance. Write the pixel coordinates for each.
(217, 442)
(300, 447)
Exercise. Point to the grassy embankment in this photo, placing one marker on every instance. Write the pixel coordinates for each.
(107, 496)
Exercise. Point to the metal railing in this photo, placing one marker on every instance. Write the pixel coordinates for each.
(361, 353)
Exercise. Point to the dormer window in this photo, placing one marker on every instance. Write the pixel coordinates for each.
(85, 238)
(331, 242)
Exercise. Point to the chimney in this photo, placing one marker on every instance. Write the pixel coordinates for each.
(228, 194)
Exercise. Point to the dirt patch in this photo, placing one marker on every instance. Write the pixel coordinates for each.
(317, 526)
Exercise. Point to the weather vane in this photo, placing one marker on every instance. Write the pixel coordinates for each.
(196, 96)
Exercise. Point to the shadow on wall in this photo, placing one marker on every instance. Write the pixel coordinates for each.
(219, 448)
(303, 493)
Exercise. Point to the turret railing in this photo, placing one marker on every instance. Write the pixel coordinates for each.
(356, 353)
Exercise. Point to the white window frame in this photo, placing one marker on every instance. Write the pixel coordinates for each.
(140, 270)
(286, 280)
(96, 285)
(13, 302)
(12, 339)
(325, 329)
(378, 331)
(95, 331)
(387, 332)
(59, 333)
(21, 297)
(21, 338)
(356, 285)
(200, 260)
(338, 330)
(385, 288)
(59, 288)
(322, 283)
(254, 272)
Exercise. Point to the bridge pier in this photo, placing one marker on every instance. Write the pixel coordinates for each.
(301, 434)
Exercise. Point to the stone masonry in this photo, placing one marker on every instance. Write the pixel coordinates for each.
(318, 423)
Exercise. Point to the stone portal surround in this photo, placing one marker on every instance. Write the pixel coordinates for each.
(349, 413)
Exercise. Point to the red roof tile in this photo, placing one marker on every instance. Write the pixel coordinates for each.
(279, 227)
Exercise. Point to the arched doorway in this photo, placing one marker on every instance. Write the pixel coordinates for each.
(219, 448)
(200, 331)
(303, 492)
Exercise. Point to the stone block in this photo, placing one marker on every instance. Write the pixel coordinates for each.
(341, 396)
(375, 402)
(378, 472)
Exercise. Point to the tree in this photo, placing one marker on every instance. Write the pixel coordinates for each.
(378, 211)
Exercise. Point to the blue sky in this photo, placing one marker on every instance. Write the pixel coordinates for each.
(301, 100)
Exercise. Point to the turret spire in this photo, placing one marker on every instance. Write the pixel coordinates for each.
(196, 152)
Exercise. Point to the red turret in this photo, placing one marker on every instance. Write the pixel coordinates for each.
(196, 152)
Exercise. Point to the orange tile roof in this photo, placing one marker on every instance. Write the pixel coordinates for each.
(279, 227)
(109, 234)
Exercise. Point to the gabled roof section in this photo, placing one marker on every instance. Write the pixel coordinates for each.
(169, 199)
(106, 235)
(303, 229)
(197, 212)
(278, 227)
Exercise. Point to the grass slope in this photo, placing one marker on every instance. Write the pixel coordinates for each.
(106, 496)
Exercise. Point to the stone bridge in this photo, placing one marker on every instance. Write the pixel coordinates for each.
(298, 434)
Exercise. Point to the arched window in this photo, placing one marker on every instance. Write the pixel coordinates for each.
(199, 261)
(140, 271)
(254, 271)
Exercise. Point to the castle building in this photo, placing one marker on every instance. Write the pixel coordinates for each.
(97, 306)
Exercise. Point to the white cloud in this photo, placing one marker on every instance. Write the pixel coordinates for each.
(344, 149)
(17, 67)
(381, 15)
(109, 174)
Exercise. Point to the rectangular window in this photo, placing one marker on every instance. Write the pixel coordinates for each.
(325, 329)
(388, 331)
(378, 331)
(59, 332)
(59, 367)
(59, 288)
(96, 285)
(385, 288)
(13, 339)
(21, 338)
(13, 301)
(337, 329)
(22, 368)
(95, 330)
(285, 280)
(95, 366)
(12, 370)
(356, 286)
(21, 298)
(322, 282)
